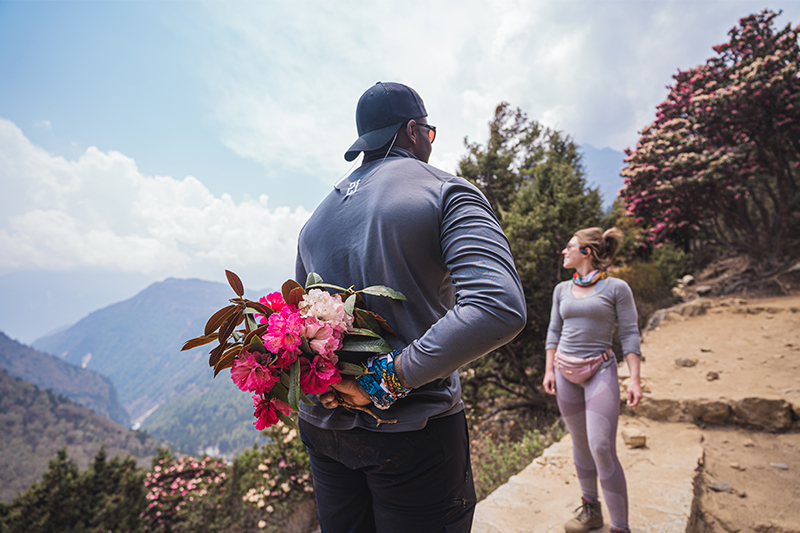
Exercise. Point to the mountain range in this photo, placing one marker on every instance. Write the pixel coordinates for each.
(36, 423)
(171, 394)
(82, 386)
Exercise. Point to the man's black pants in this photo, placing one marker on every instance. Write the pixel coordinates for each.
(417, 481)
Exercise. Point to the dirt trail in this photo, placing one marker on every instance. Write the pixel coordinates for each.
(723, 446)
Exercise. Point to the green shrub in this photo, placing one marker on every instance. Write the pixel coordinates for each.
(496, 460)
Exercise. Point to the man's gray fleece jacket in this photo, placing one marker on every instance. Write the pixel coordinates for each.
(433, 236)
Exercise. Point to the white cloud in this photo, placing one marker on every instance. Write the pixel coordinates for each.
(285, 77)
(99, 211)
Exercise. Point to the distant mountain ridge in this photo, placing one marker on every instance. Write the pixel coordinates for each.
(38, 423)
(603, 168)
(137, 342)
(82, 386)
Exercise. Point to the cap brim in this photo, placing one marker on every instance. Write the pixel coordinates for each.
(372, 140)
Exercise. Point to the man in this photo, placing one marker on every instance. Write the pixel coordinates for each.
(400, 222)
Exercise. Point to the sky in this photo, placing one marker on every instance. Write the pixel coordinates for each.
(145, 140)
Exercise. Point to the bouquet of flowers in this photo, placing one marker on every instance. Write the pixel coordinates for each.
(295, 342)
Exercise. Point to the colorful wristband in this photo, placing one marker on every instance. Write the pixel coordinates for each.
(380, 381)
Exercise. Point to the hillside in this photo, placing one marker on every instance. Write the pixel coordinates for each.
(82, 386)
(37, 423)
(136, 343)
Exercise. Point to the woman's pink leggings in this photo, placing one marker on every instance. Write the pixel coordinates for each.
(591, 411)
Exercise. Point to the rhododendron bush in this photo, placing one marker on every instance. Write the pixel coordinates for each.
(177, 488)
(288, 344)
(722, 159)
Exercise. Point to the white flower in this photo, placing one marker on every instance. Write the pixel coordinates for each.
(262, 524)
(327, 309)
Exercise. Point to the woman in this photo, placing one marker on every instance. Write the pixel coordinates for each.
(581, 325)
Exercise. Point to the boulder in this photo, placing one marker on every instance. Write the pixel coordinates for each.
(704, 290)
(772, 415)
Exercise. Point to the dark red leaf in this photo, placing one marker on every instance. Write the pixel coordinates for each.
(236, 283)
(296, 296)
(199, 341)
(230, 324)
(218, 318)
(287, 288)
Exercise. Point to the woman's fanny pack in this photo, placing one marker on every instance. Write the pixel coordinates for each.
(577, 369)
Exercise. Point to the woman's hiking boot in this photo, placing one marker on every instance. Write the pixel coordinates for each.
(590, 516)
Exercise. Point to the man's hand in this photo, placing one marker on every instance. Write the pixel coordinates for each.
(350, 391)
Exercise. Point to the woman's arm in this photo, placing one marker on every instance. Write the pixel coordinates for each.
(551, 343)
(634, 385)
(549, 381)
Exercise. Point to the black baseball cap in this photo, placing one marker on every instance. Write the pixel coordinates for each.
(381, 110)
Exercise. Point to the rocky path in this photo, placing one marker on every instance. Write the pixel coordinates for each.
(720, 417)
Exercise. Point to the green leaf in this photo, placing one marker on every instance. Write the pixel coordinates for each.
(349, 369)
(350, 344)
(304, 398)
(365, 320)
(350, 304)
(326, 285)
(313, 279)
(256, 345)
(251, 321)
(280, 392)
(382, 290)
(363, 332)
(294, 385)
(305, 347)
(289, 421)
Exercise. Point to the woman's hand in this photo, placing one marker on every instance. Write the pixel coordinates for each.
(634, 385)
(549, 382)
(349, 390)
(634, 393)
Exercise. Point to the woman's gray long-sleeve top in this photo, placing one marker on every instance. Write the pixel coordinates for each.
(582, 327)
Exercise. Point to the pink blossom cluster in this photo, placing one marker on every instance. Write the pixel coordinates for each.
(718, 155)
(176, 486)
(310, 332)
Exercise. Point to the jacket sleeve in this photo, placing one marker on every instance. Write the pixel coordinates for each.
(490, 306)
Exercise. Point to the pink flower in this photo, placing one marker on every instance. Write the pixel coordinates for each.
(274, 301)
(283, 332)
(317, 376)
(267, 411)
(321, 338)
(251, 374)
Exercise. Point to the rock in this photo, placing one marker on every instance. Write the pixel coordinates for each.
(737, 466)
(772, 415)
(635, 438)
(706, 350)
(711, 376)
(749, 443)
(687, 280)
(704, 290)
(685, 362)
(710, 412)
(773, 527)
(780, 466)
(720, 485)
